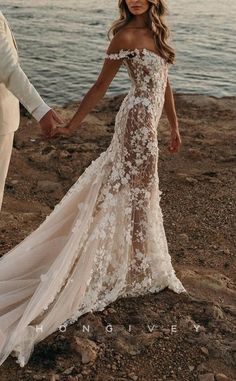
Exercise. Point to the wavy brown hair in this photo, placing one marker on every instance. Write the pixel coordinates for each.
(157, 12)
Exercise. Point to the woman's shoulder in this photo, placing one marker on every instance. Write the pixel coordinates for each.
(124, 39)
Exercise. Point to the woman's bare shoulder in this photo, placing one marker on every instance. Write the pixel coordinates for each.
(124, 39)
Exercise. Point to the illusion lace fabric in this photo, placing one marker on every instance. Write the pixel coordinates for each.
(106, 238)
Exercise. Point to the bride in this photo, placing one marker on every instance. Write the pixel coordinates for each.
(105, 239)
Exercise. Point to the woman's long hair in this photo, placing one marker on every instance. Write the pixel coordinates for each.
(157, 12)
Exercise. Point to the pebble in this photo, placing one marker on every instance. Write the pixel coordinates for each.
(194, 153)
(87, 349)
(184, 236)
(206, 377)
(69, 370)
(108, 378)
(133, 353)
(202, 368)
(204, 351)
(48, 186)
(14, 182)
(111, 310)
(133, 376)
(191, 180)
(214, 181)
(55, 377)
(222, 377)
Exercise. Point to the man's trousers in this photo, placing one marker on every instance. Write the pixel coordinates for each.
(6, 144)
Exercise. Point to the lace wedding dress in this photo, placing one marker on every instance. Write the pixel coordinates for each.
(106, 238)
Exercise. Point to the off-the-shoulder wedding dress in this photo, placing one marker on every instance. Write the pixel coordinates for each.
(106, 238)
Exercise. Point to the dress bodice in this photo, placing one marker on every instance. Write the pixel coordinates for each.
(147, 71)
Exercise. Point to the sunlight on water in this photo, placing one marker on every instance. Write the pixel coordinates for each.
(62, 44)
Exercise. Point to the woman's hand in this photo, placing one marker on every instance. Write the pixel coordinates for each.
(67, 130)
(175, 140)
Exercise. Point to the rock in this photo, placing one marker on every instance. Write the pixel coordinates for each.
(184, 236)
(206, 377)
(185, 177)
(13, 182)
(41, 159)
(55, 377)
(121, 345)
(48, 186)
(69, 370)
(111, 310)
(191, 180)
(204, 351)
(215, 312)
(87, 349)
(182, 174)
(228, 159)
(106, 377)
(214, 181)
(134, 353)
(133, 376)
(202, 368)
(222, 377)
(65, 172)
(187, 322)
(132, 344)
(85, 147)
(64, 154)
(166, 331)
(194, 153)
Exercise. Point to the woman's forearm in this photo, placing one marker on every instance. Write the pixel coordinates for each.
(169, 107)
(90, 100)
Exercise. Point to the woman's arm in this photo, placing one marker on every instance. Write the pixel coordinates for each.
(98, 90)
(169, 106)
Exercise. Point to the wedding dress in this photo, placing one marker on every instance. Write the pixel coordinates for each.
(105, 239)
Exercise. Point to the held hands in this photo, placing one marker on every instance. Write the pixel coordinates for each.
(49, 122)
(175, 140)
(52, 125)
(63, 131)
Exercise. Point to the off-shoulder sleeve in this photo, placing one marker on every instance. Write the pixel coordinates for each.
(119, 55)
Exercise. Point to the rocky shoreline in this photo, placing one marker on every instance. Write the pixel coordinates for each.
(174, 337)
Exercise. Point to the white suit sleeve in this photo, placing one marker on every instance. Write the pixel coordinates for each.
(14, 78)
(40, 111)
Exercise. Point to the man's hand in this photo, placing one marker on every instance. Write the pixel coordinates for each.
(49, 122)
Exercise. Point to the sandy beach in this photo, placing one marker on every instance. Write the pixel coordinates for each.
(198, 205)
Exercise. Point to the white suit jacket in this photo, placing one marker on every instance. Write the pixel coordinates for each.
(15, 87)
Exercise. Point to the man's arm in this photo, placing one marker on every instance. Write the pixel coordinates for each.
(16, 81)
